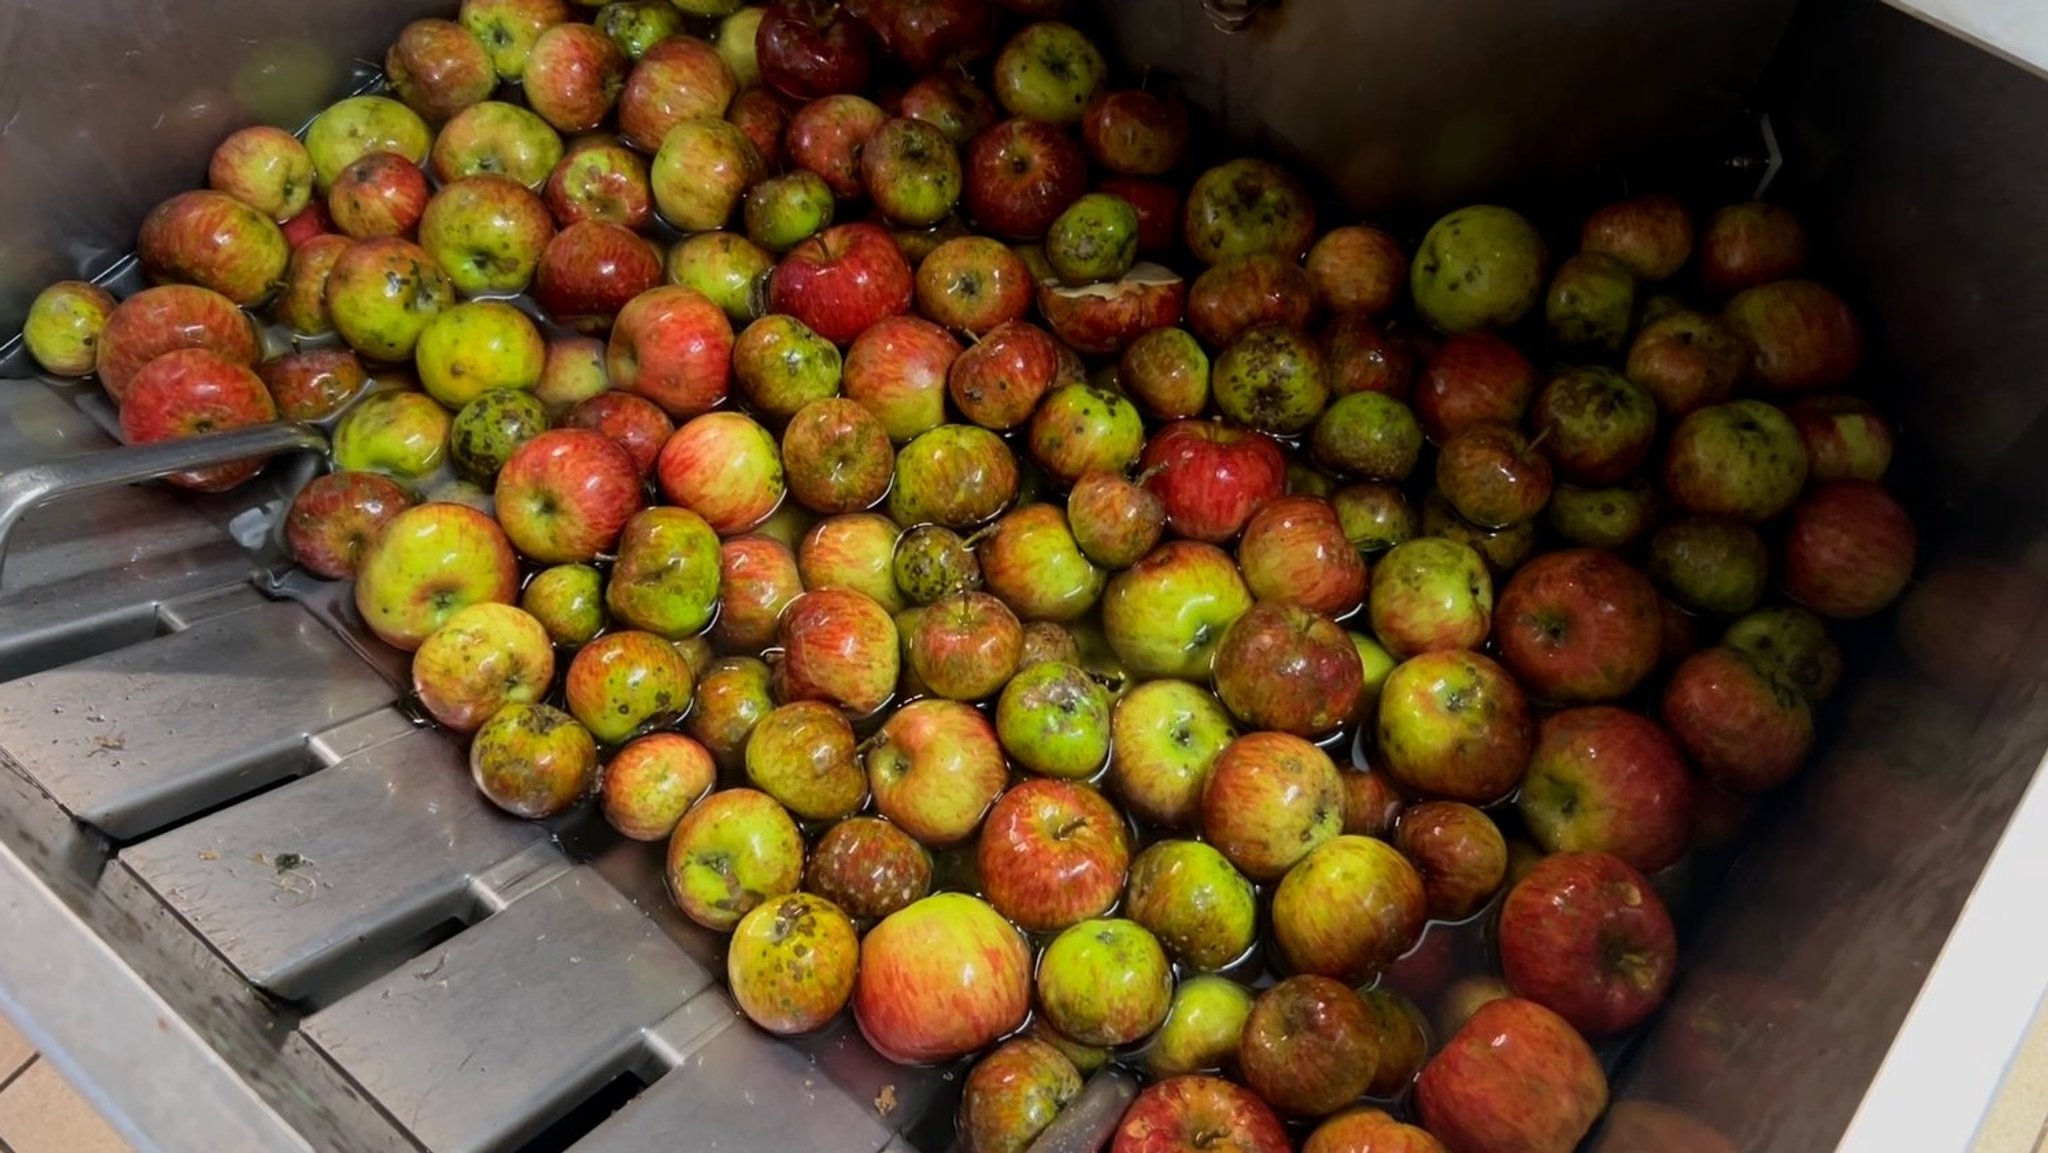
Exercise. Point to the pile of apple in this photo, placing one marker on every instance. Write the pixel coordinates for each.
(919, 479)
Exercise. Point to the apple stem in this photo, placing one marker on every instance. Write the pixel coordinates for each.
(1537, 442)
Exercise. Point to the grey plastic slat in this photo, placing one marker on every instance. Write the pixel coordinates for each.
(138, 738)
(386, 840)
(484, 1041)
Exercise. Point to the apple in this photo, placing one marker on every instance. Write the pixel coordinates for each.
(1020, 175)
(487, 233)
(494, 139)
(508, 28)
(838, 646)
(1165, 737)
(1742, 458)
(1741, 729)
(957, 475)
(1052, 854)
(732, 852)
(1585, 936)
(1356, 270)
(483, 658)
(1431, 594)
(1478, 267)
(1202, 909)
(854, 552)
(1491, 475)
(1272, 378)
(897, 368)
(1199, 1114)
(1710, 564)
(837, 456)
(792, 959)
(1159, 212)
(1750, 244)
(1603, 779)
(1472, 378)
(637, 424)
(381, 294)
(724, 467)
(427, 562)
(1373, 435)
(568, 601)
(868, 867)
(1686, 360)
(1105, 318)
(650, 783)
(1459, 853)
(702, 169)
(941, 978)
(397, 432)
(573, 76)
(1094, 239)
(1790, 645)
(802, 754)
(727, 268)
(758, 578)
(1515, 1076)
(1166, 373)
(929, 35)
(1403, 1040)
(1846, 437)
(781, 367)
(1202, 1028)
(1135, 132)
(808, 48)
(764, 115)
(1374, 517)
(1502, 549)
(1650, 235)
(935, 767)
(311, 222)
(1284, 668)
(1590, 309)
(214, 241)
(533, 761)
(911, 172)
(973, 284)
(951, 103)
(1054, 719)
(1596, 424)
(599, 178)
(827, 137)
(673, 346)
(999, 380)
(1049, 641)
(783, 211)
(965, 646)
(1211, 477)
(1579, 625)
(64, 325)
(1105, 982)
(1242, 292)
(1310, 1046)
(1368, 1130)
(1604, 517)
(843, 281)
(192, 392)
(356, 125)
(1802, 335)
(265, 168)
(1849, 551)
(1270, 799)
(624, 682)
(567, 494)
(1048, 72)
(1245, 206)
(1371, 803)
(1013, 1094)
(334, 518)
(1349, 908)
(439, 68)
(678, 78)
(1165, 615)
(1116, 521)
(573, 372)
(487, 429)
(476, 347)
(1454, 725)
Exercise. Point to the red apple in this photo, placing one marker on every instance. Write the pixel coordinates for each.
(427, 562)
(842, 281)
(1650, 235)
(1514, 1079)
(836, 456)
(1103, 319)
(267, 169)
(589, 270)
(378, 194)
(566, 494)
(1198, 1113)
(1371, 803)
(678, 79)
(1283, 668)
(1114, 520)
(214, 241)
(1473, 377)
(812, 48)
(999, 380)
(1364, 357)
(1052, 854)
(1357, 269)
(940, 979)
(1242, 292)
(1579, 625)
(935, 767)
(573, 76)
(192, 392)
(1802, 335)
(1686, 360)
(313, 384)
(1585, 936)
(1459, 852)
(336, 516)
(652, 782)
(763, 114)
(1211, 477)
(1608, 780)
(1748, 244)
(599, 178)
(438, 68)
(838, 646)
(951, 103)
(973, 284)
(1492, 476)
(673, 346)
(1021, 174)
(1850, 549)
(898, 368)
(724, 467)
(1013, 1094)
(965, 646)
(868, 867)
(636, 423)
(1158, 206)
(311, 221)
(929, 35)
(1135, 132)
(1270, 800)
(1310, 1046)
(1743, 730)
(757, 579)
(826, 136)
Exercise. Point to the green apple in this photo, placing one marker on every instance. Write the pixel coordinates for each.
(477, 347)
(428, 562)
(1454, 725)
(568, 601)
(1478, 267)
(1049, 72)
(1275, 378)
(1202, 1028)
(702, 168)
(508, 28)
(802, 754)
(780, 365)
(63, 327)
(350, 129)
(1349, 909)
(727, 268)
(382, 293)
(783, 211)
(734, 38)
(1378, 663)
(1711, 564)
(1164, 738)
(1105, 982)
(1093, 240)
(1369, 435)
(398, 432)
(1744, 458)
(1165, 615)
(637, 25)
(1203, 910)
(931, 561)
(1603, 517)
(1591, 305)
(1430, 593)
(533, 760)
(494, 138)
(1053, 719)
(733, 850)
(487, 429)
(624, 681)
(912, 174)
(1792, 647)
(666, 577)
(487, 233)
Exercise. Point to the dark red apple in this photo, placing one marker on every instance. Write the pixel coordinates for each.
(1283, 668)
(1473, 377)
(951, 103)
(1608, 780)
(589, 270)
(566, 494)
(1585, 936)
(1650, 235)
(1743, 730)
(1242, 292)
(1135, 132)
(1801, 335)
(812, 48)
(842, 281)
(336, 516)
(1021, 174)
(1365, 357)
(636, 423)
(1492, 475)
(1748, 244)
(1579, 625)
(929, 35)
(1052, 854)
(1515, 1078)
(999, 380)
(1211, 477)
(826, 137)
(1458, 850)
(1310, 1046)
(1849, 550)
(313, 384)
(1158, 206)
(764, 116)
(868, 867)
(379, 194)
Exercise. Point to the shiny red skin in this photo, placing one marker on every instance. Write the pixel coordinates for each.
(192, 392)
(1849, 551)
(898, 369)
(973, 284)
(1020, 175)
(998, 381)
(1803, 335)
(380, 194)
(1158, 205)
(836, 456)
(311, 221)
(757, 578)
(934, 768)
(590, 483)
(334, 518)
(1241, 292)
(438, 68)
(940, 979)
(838, 646)
(826, 137)
(1744, 245)
(1211, 477)
(313, 384)
(1515, 1079)
(589, 270)
(1294, 549)
(1473, 377)
(1310, 1046)
(868, 867)
(843, 281)
(929, 35)
(1052, 854)
(1285, 669)
(1579, 625)
(636, 423)
(965, 645)
(619, 193)
(673, 346)
(1458, 852)
(1742, 731)
(1617, 782)
(1491, 476)
(167, 318)
(1102, 319)
(1135, 132)
(812, 48)
(1585, 936)
(1198, 1113)
(1115, 520)
(674, 80)
(952, 103)
(1364, 357)
(763, 114)
(573, 76)
(215, 241)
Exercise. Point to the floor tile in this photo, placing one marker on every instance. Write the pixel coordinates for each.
(40, 1113)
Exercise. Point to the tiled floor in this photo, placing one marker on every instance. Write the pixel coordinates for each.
(39, 1113)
